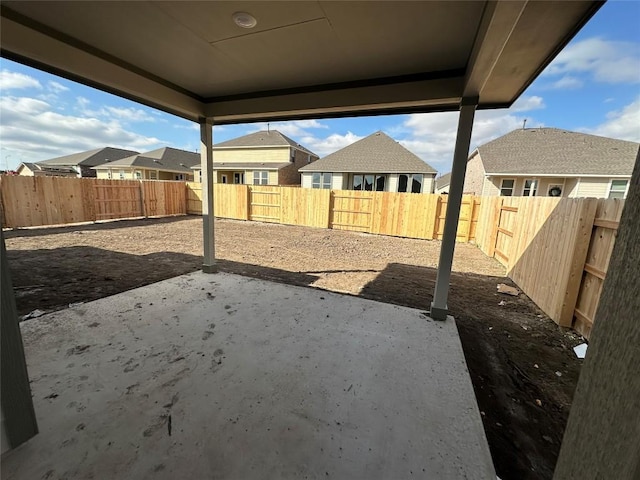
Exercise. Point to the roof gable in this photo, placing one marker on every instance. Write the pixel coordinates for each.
(377, 153)
(165, 158)
(263, 138)
(552, 151)
(90, 158)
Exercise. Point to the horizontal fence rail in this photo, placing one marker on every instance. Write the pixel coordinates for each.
(556, 250)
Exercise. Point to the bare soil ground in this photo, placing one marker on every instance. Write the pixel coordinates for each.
(522, 365)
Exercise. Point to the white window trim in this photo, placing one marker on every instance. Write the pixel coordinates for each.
(524, 183)
(513, 189)
(626, 190)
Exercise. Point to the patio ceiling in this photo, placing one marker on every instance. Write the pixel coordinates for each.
(302, 59)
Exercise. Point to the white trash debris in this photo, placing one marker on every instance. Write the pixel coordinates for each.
(581, 350)
(502, 303)
(35, 314)
(559, 374)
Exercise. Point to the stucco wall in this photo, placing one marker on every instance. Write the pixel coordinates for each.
(474, 179)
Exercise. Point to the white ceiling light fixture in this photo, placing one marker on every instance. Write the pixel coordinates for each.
(244, 20)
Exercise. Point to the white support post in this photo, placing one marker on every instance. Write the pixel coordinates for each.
(206, 163)
(439, 309)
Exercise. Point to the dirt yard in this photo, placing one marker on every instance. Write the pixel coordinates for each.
(522, 365)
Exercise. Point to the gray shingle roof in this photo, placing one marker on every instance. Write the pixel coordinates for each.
(90, 158)
(552, 151)
(443, 180)
(170, 159)
(377, 153)
(271, 138)
(34, 167)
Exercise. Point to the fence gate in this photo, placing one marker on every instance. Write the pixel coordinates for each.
(117, 199)
(351, 210)
(504, 230)
(265, 204)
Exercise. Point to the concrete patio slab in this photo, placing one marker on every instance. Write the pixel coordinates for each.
(226, 377)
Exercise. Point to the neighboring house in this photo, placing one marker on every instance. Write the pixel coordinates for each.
(83, 162)
(260, 158)
(162, 164)
(37, 170)
(376, 163)
(551, 162)
(442, 183)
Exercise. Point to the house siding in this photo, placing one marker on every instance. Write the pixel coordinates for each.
(253, 155)
(474, 181)
(429, 184)
(593, 187)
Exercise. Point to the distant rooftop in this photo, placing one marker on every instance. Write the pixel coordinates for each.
(377, 153)
(166, 158)
(264, 138)
(553, 151)
(90, 158)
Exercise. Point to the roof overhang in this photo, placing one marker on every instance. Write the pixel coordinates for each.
(303, 59)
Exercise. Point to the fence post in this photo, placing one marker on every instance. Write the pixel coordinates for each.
(143, 208)
(573, 279)
(248, 200)
(494, 229)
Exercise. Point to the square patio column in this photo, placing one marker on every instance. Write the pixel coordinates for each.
(208, 218)
(439, 309)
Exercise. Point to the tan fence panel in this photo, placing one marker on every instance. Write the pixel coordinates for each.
(35, 201)
(265, 203)
(231, 201)
(194, 198)
(351, 210)
(505, 228)
(117, 199)
(305, 206)
(404, 214)
(488, 218)
(163, 198)
(549, 252)
(603, 235)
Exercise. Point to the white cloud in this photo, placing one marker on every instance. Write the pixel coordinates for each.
(13, 80)
(606, 61)
(567, 82)
(56, 87)
(294, 128)
(325, 146)
(623, 124)
(130, 114)
(32, 127)
(432, 136)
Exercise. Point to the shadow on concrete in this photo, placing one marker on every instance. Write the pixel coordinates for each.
(84, 227)
(53, 279)
(512, 352)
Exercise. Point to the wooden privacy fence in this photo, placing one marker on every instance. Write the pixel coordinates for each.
(397, 214)
(36, 201)
(556, 249)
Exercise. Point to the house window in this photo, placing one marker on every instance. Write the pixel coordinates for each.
(321, 180)
(138, 175)
(179, 176)
(381, 180)
(308, 158)
(618, 188)
(153, 175)
(415, 181)
(506, 188)
(238, 178)
(109, 174)
(261, 177)
(293, 154)
(363, 182)
(223, 179)
(121, 175)
(530, 188)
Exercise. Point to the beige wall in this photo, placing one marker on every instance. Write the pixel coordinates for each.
(474, 179)
(129, 174)
(252, 155)
(593, 187)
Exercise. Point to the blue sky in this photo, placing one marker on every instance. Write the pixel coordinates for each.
(593, 86)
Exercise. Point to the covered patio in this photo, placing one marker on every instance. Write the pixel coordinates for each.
(377, 377)
(241, 378)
